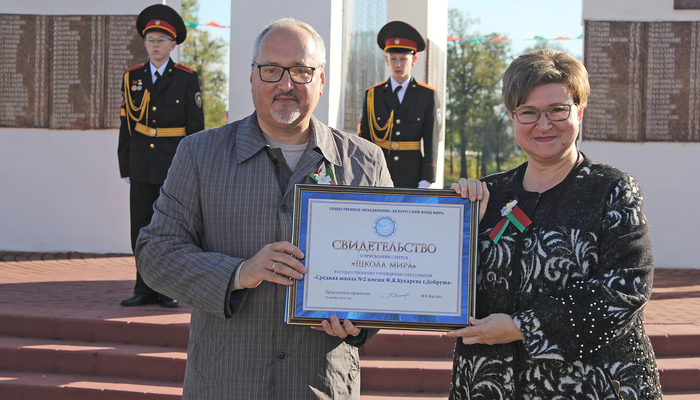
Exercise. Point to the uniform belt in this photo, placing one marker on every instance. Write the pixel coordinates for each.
(160, 132)
(389, 145)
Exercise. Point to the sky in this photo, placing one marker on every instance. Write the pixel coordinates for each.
(518, 20)
(521, 21)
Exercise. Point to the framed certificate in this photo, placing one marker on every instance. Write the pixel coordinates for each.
(384, 257)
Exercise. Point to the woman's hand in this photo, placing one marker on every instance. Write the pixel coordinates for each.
(494, 329)
(474, 190)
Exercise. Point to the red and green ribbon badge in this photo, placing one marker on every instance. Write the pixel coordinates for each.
(321, 178)
(511, 213)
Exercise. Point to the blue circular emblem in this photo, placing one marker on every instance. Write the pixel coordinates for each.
(438, 116)
(385, 226)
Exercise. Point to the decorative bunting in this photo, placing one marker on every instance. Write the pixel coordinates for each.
(213, 24)
(452, 38)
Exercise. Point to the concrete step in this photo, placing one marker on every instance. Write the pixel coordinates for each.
(16, 385)
(679, 374)
(403, 396)
(433, 375)
(400, 362)
(94, 358)
(414, 375)
(682, 396)
(394, 357)
(33, 385)
(396, 343)
(125, 325)
(675, 339)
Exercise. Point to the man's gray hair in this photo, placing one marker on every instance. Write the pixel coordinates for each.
(291, 23)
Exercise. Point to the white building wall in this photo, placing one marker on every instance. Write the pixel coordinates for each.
(666, 171)
(248, 19)
(61, 189)
(62, 192)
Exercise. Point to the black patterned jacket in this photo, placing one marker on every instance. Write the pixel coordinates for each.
(575, 282)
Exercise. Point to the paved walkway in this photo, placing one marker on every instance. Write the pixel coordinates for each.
(76, 284)
(98, 282)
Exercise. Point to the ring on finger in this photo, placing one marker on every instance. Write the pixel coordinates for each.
(273, 267)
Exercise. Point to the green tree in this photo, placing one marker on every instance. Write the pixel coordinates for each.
(206, 55)
(476, 120)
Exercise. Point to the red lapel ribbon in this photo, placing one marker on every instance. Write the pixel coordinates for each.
(511, 213)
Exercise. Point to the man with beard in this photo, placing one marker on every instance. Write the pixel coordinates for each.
(220, 236)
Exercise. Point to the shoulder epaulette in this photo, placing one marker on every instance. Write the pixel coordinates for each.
(182, 67)
(134, 67)
(425, 85)
(377, 85)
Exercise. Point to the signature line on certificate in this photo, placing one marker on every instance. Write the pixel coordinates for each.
(394, 295)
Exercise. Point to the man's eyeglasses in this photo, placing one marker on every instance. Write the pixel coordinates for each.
(530, 115)
(273, 73)
(158, 41)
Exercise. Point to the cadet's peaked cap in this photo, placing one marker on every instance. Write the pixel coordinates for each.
(162, 18)
(400, 37)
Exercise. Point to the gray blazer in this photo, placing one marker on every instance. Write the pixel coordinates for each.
(220, 204)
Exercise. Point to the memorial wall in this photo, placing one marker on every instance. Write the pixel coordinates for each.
(65, 71)
(645, 81)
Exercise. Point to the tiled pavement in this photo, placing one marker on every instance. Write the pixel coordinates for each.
(77, 284)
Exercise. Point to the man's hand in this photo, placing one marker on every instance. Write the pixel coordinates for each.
(276, 262)
(474, 190)
(334, 328)
(494, 329)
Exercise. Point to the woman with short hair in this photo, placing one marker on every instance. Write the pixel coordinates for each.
(560, 293)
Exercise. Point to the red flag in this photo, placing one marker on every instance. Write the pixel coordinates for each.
(214, 24)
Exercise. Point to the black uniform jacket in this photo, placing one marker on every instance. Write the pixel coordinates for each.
(176, 103)
(417, 118)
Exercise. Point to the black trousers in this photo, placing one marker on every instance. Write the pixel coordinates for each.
(141, 199)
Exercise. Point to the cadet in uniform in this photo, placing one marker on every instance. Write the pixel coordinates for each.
(401, 113)
(162, 102)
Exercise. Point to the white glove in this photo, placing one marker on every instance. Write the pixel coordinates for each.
(423, 184)
(127, 180)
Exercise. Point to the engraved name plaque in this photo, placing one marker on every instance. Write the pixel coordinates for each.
(65, 71)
